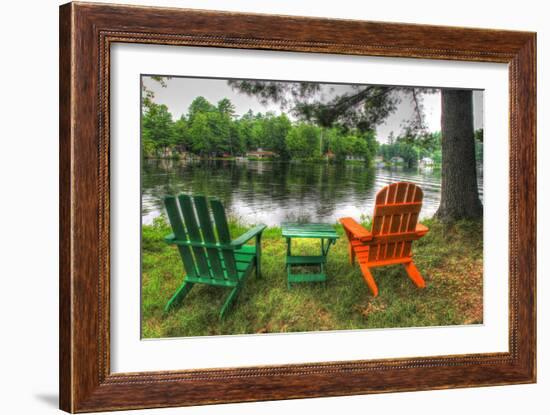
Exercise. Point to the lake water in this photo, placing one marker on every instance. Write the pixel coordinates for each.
(270, 193)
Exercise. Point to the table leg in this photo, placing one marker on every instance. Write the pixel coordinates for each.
(322, 267)
(288, 266)
(324, 250)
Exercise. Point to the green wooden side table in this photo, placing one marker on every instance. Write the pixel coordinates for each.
(323, 231)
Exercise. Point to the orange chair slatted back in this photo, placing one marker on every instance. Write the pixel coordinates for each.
(395, 218)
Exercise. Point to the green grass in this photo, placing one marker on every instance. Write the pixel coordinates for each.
(450, 259)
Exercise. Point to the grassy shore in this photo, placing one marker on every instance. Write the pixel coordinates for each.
(450, 258)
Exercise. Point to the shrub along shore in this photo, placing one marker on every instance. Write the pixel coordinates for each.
(450, 258)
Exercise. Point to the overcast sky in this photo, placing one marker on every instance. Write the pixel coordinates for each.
(181, 91)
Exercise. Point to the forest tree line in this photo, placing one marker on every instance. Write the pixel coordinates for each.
(214, 130)
(210, 130)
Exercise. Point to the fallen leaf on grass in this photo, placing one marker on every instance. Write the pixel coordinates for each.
(373, 308)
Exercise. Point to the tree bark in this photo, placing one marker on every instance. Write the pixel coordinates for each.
(459, 195)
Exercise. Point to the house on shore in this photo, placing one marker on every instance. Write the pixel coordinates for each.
(426, 162)
(261, 154)
(329, 155)
(355, 158)
(397, 160)
(379, 161)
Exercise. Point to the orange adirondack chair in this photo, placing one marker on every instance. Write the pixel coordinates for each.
(394, 227)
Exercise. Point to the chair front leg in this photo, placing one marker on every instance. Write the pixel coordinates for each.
(179, 295)
(351, 254)
(414, 274)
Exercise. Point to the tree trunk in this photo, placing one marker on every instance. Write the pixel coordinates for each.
(459, 195)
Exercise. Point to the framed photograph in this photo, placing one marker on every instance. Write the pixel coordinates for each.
(259, 207)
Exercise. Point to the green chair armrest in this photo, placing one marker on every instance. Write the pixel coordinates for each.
(235, 244)
(247, 236)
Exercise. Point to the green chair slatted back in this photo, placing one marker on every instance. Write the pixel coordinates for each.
(174, 217)
(205, 246)
(212, 254)
(206, 256)
(194, 234)
(224, 237)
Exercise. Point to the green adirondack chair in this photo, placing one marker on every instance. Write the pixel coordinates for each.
(206, 249)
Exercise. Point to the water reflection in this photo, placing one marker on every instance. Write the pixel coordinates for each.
(274, 192)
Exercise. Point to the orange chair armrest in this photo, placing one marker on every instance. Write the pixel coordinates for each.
(421, 230)
(356, 229)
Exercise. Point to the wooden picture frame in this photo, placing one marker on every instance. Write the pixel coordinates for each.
(86, 33)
